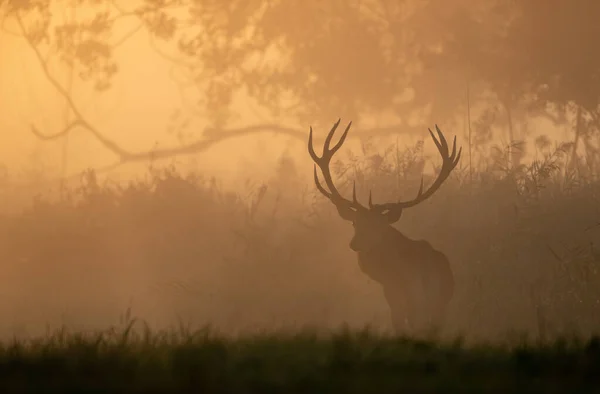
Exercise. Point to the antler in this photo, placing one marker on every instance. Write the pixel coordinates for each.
(449, 162)
(323, 163)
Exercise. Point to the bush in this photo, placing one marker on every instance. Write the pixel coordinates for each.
(520, 240)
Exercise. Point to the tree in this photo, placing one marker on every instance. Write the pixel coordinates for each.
(306, 60)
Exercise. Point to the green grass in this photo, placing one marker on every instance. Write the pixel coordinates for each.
(343, 362)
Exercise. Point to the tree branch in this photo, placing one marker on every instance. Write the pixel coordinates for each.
(216, 136)
(48, 137)
(79, 118)
(211, 136)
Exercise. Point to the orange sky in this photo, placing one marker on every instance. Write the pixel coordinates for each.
(135, 113)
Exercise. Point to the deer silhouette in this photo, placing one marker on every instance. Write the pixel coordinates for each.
(417, 279)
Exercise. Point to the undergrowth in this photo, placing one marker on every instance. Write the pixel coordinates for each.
(130, 360)
(521, 238)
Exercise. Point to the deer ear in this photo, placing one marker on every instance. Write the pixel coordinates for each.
(346, 212)
(393, 215)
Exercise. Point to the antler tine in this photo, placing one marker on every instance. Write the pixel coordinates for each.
(330, 136)
(327, 152)
(319, 186)
(449, 162)
(454, 147)
(442, 144)
(339, 144)
(420, 192)
(311, 149)
(324, 161)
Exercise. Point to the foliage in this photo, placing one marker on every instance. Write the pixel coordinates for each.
(302, 61)
(522, 242)
(344, 361)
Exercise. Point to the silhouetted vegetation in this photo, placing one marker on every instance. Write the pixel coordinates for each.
(520, 241)
(179, 361)
(505, 62)
(521, 235)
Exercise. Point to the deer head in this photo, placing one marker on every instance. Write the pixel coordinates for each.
(372, 221)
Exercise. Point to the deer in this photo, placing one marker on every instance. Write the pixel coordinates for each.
(416, 279)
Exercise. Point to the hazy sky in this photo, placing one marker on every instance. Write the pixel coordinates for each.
(54, 275)
(135, 112)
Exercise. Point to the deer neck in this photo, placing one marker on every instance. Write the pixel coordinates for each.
(381, 261)
(390, 239)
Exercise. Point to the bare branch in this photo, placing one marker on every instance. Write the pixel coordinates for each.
(48, 137)
(79, 118)
(215, 136)
(211, 136)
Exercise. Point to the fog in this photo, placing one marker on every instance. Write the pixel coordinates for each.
(89, 233)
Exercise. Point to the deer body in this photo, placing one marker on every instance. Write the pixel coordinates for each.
(417, 289)
(417, 279)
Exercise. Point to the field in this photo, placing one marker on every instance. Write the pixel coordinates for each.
(274, 257)
(154, 160)
(344, 362)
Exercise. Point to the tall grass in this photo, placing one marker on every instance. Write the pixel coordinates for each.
(521, 240)
(129, 360)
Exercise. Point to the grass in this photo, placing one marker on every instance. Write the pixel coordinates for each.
(525, 258)
(305, 362)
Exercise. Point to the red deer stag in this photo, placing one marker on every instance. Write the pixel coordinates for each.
(417, 280)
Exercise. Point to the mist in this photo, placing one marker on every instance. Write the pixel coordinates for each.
(154, 161)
